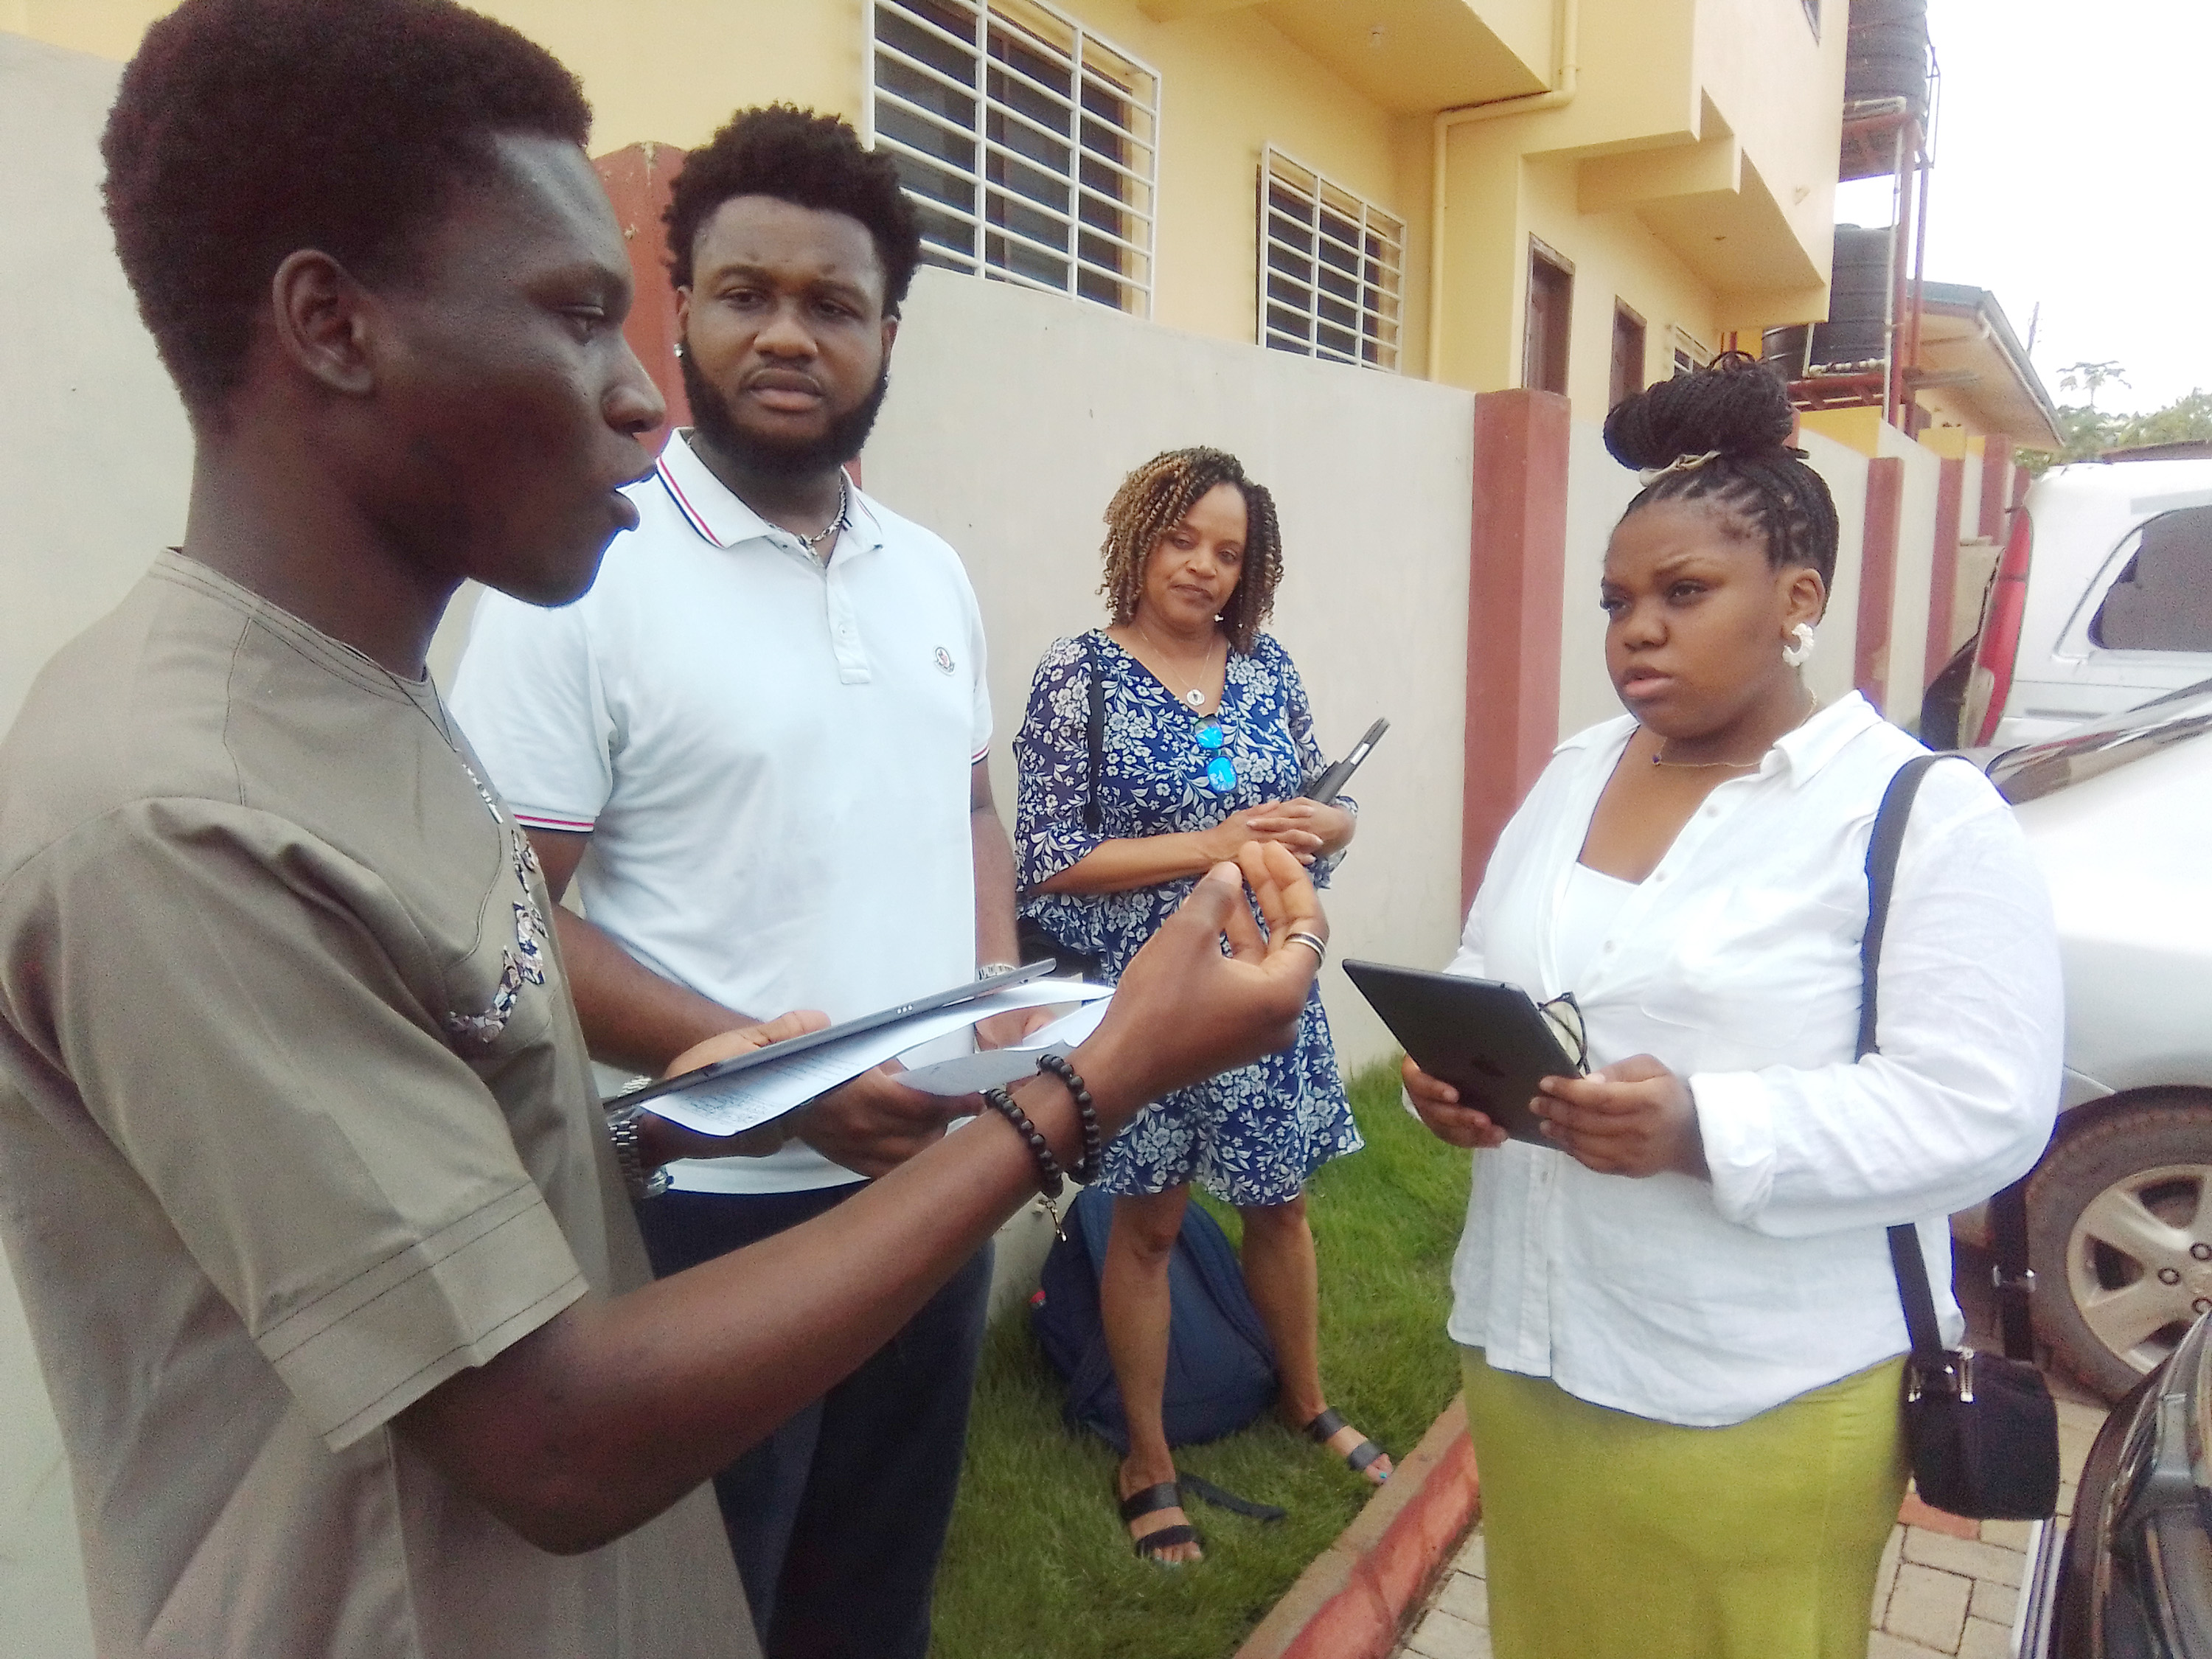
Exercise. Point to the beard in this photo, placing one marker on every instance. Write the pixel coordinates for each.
(847, 433)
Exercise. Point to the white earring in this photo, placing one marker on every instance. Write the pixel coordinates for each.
(1794, 655)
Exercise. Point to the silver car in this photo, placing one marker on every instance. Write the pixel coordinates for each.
(2118, 813)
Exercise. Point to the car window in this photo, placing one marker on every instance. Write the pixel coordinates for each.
(2162, 597)
(2043, 768)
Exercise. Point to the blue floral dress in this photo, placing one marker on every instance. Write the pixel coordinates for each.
(1251, 1136)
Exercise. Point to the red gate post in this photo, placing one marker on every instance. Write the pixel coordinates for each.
(1870, 664)
(637, 179)
(1517, 584)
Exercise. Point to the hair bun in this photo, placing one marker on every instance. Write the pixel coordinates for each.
(1738, 407)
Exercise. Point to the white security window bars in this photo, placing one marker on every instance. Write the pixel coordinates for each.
(1030, 147)
(1690, 352)
(1332, 268)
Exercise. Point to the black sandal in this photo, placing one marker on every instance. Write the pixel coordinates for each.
(1330, 1424)
(1168, 1495)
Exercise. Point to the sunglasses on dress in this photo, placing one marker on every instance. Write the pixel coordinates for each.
(1220, 772)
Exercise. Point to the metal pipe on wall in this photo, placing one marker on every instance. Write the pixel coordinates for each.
(1566, 23)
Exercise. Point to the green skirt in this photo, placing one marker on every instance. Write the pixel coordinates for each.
(1610, 1536)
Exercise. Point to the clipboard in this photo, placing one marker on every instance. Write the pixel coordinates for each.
(1486, 1039)
(775, 1053)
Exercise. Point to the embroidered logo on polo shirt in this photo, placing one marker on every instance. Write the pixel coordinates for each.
(944, 661)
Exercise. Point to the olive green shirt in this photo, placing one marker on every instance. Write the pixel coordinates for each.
(296, 1123)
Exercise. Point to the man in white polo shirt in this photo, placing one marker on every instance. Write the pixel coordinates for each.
(758, 743)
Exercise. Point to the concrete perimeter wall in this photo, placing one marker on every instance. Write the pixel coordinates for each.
(1013, 418)
(94, 462)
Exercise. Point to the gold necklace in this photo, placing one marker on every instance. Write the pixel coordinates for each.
(1193, 695)
(1733, 766)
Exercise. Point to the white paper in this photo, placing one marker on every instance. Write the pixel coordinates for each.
(766, 1091)
(986, 1068)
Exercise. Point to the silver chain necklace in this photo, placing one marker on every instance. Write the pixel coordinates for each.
(1196, 695)
(813, 543)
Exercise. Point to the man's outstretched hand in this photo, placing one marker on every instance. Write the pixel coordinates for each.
(1183, 1011)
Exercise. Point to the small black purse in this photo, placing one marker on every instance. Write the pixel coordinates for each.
(1981, 1428)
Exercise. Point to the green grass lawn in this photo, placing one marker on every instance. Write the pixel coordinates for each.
(1039, 1565)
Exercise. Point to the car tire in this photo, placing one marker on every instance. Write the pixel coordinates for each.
(2119, 1229)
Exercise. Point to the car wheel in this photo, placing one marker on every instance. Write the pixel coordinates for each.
(2120, 1237)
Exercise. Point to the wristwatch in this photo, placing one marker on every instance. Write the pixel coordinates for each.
(629, 1153)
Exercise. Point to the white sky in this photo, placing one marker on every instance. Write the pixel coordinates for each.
(2072, 169)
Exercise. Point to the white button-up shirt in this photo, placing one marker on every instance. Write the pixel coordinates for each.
(1736, 963)
(772, 755)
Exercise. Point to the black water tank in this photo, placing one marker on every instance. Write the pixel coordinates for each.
(1857, 329)
(1886, 53)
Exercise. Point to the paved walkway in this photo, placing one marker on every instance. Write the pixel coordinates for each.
(1948, 1585)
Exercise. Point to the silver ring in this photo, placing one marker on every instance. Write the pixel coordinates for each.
(1313, 942)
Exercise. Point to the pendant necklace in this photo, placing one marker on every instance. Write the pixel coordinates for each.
(813, 543)
(1731, 765)
(1194, 696)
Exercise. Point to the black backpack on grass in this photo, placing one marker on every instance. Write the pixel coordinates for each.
(1221, 1366)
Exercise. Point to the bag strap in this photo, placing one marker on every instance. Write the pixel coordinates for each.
(1905, 1259)
(1095, 729)
(2008, 1209)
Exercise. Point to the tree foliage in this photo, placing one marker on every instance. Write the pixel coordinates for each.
(2090, 432)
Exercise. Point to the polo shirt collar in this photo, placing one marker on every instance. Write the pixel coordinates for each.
(715, 511)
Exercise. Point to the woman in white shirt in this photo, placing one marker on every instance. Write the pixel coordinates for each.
(1680, 1333)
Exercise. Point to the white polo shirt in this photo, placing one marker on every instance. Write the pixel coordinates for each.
(771, 754)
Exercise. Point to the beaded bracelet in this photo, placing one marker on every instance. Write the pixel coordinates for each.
(1086, 1169)
(1050, 1182)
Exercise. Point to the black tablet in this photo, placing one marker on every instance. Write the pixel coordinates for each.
(970, 992)
(1488, 1040)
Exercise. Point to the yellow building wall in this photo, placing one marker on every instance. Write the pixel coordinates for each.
(1781, 91)
(674, 70)
(1617, 260)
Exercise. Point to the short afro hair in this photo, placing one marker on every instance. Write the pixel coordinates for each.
(248, 129)
(810, 161)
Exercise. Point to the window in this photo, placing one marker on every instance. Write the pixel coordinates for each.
(1627, 355)
(1028, 145)
(2162, 599)
(1551, 297)
(1332, 268)
(1690, 352)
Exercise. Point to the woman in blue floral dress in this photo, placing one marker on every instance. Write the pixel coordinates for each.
(1207, 742)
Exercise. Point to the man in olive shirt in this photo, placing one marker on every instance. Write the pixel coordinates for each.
(320, 1230)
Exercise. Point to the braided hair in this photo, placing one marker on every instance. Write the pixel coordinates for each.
(1737, 413)
(1152, 501)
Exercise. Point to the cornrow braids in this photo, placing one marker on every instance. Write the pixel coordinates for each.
(1721, 436)
(1152, 501)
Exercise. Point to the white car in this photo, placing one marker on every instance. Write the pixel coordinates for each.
(2101, 598)
(2118, 813)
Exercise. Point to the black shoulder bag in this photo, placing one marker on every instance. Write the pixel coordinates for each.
(1036, 944)
(1983, 1430)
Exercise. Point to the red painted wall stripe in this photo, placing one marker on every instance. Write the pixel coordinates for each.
(1871, 669)
(637, 179)
(1516, 583)
(1996, 482)
(1943, 576)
